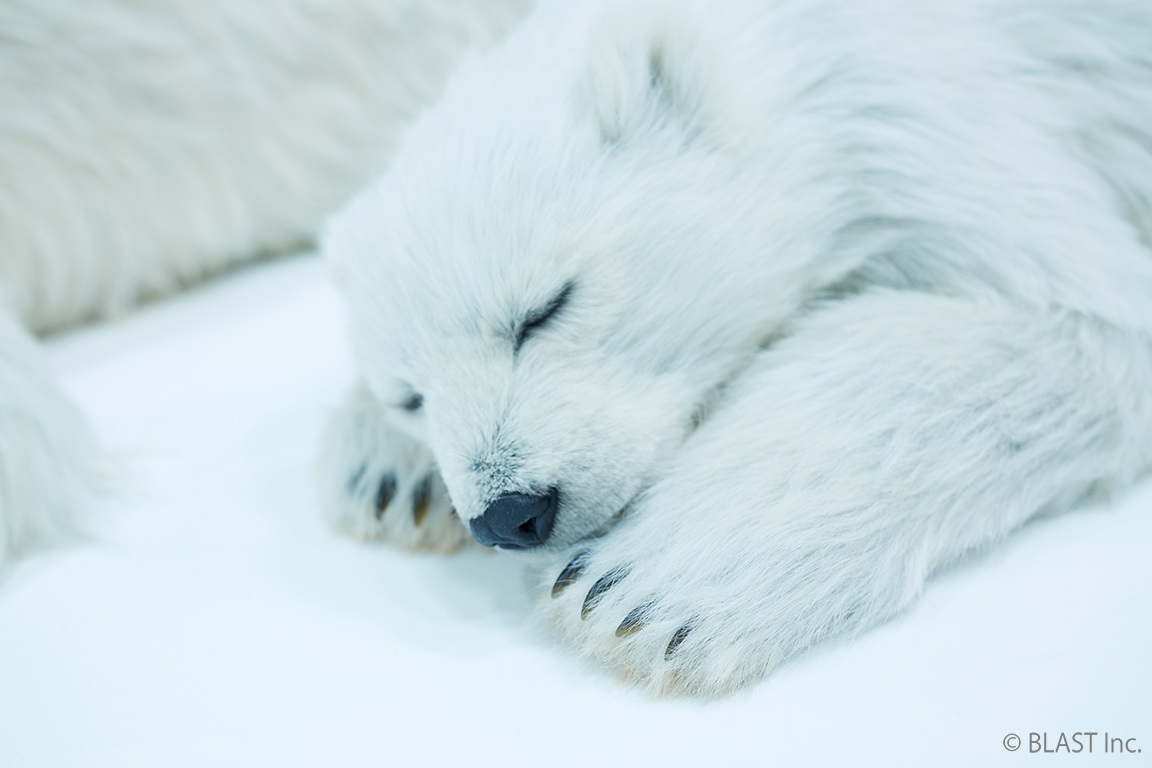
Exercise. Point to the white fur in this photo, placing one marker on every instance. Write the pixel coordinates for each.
(144, 145)
(48, 458)
(856, 289)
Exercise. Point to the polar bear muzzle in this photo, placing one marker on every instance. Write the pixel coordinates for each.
(517, 521)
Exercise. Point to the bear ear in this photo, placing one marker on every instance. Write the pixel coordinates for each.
(646, 75)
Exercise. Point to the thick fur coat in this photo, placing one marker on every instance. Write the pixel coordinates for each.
(775, 307)
(145, 145)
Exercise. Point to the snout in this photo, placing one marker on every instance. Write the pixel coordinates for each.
(516, 521)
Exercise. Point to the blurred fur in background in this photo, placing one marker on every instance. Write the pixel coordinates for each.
(147, 145)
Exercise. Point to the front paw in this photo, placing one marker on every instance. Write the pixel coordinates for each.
(679, 605)
(377, 482)
(654, 631)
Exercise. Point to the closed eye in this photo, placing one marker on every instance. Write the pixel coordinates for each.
(413, 403)
(537, 318)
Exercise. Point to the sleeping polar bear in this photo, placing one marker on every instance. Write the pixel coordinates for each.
(740, 320)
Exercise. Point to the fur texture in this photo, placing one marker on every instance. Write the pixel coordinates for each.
(49, 463)
(849, 290)
(145, 145)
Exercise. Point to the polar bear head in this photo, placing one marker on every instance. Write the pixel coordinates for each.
(553, 281)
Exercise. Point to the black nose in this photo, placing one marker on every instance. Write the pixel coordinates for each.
(516, 521)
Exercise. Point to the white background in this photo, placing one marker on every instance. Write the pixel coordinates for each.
(214, 621)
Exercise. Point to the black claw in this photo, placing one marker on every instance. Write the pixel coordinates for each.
(354, 480)
(606, 582)
(384, 494)
(633, 622)
(570, 574)
(677, 638)
(421, 497)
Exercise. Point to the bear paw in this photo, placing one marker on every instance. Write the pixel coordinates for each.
(678, 609)
(611, 611)
(377, 482)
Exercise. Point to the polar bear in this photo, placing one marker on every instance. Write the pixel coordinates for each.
(147, 144)
(740, 320)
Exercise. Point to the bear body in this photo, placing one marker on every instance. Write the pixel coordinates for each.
(752, 316)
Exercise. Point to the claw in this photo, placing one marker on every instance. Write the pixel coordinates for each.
(421, 498)
(606, 582)
(632, 622)
(570, 574)
(354, 481)
(677, 638)
(384, 494)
